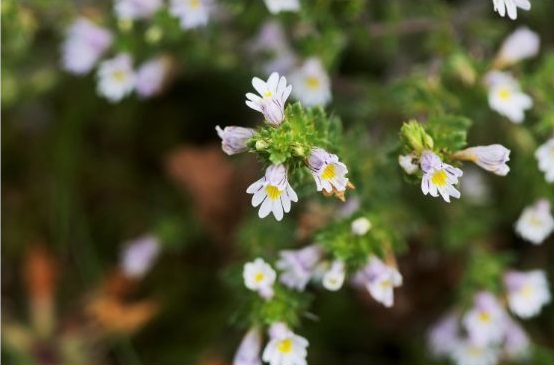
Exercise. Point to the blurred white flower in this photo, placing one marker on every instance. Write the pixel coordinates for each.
(271, 44)
(273, 192)
(407, 163)
(380, 280)
(527, 292)
(438, 177)
(151, 76)
(492, 158)
(545, 156)
(536, 222)
(191, 13)
(468, 353)
(474, 187)
(139, 255)
(485, 322)
(274, 93)
(521, 44)
(136, 9)
(444, 336)
(116, 77)
(259, 276)
(334, 277)
(233, 139)
(327, 171)
(249, 349)
(298, 266)
(506, 97)
(360, 226)
(516, 342)
(351, 206)
(278, 330)
(277, 6)
(510, 7)
(288, 350)
(311, 84)
(84, 44)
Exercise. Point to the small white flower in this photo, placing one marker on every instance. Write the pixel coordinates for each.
(116, 78)
(438, 177)
(380, 280)
(272, 45)
(521, 44)
(139, 256)
(536, 222)
(516, 342)
(506, 97)
(191, 13)
(136, 9)
(510, 6)
(444, 336)
(277, 6)
(408, 164)
(545, 156)
(474, 187)
(259, 276)
(527, 292)
(485, 321)
(273, 192)
(328, 172)
(249, 349)
(360, 226)
(311, 84)
(298, 266)
(468, 353)
(290, 349)
(492, 158)
(334, 277)
(274, 93)
(233, 139)
(84, 44)
(151, 76)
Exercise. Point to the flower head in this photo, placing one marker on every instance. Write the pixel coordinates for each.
(259, 276)
(233, 139)
(273, 192)
(380, 280)
(249, 349)
(438, 177)
(536, 222)
(506, 98)
(271, 43)
(116, 77)
(468, 353)
(527, 292)
(136, 9)
(277, 6)
(191, 13)
(510, 6)
(444, 335)
(84, 44)
(545, 156)
(311, 84)
(139, 256)
(516, 341)
(151, 76)
(485, 321)
(334, 277)
(328, 172)
(360, 226)
(407, 163)
(492, 158)
(298, 265)
(287, 349)
(522, 43)
(273, 95)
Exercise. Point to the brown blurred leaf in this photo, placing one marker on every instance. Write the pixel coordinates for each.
(113, 315)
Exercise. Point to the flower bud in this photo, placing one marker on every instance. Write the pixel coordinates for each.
(334, 277)
(492, 158)
(361, 226)
(416, 137)
(407, 164)
(233, 139)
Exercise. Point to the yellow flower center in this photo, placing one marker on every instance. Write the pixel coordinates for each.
(328, 172)
(259, 277)
(195, 4)
(119, 76)
(285, 346)
(535, 221)
(273, 192)
(268, 94)
(386, 284)
(504, 93)
(485, 317)
(312, 82)
(475, 351)
(527, 291)
(439, 178)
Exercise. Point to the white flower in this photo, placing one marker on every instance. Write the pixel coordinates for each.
(259, 276)
(191, 13)
(334, 277)
(84, 44)
(545, 155)
(311, 84)
(407, 162)
(360, 226)
(438, 177)
(116, 77)
(474, 187)
(233, 139)
(136, 9)
(536, 222)
(249, 350)
(492, 158)
(277, 6)
(274, 94)
(516, 342)
(380, 280)
(444, 336)
(289, 349)
(151, 76)
(298, 266)
(328, 172)
(139, 256)
(468, 353)
(510, 6)
(527, 292)
(485, 321)
(506, 98)
(273, 192)
(271, 44)
(522, 43)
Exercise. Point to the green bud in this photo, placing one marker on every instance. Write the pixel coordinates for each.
(261, 145)
(413, 134)
(298, 150)
(153, 34)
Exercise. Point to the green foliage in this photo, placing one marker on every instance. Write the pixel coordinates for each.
(449, 132)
